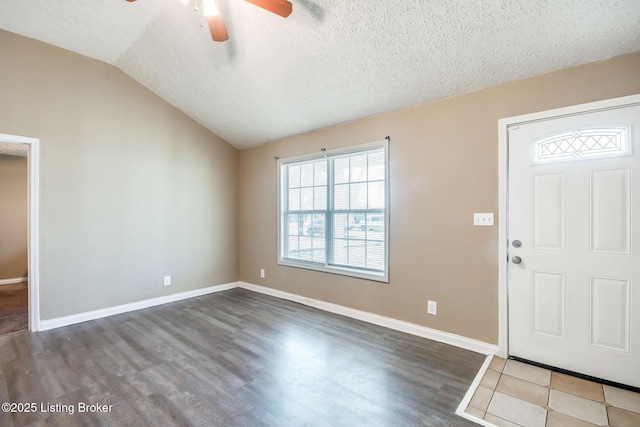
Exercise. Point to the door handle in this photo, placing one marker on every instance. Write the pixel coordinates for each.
(516, 260)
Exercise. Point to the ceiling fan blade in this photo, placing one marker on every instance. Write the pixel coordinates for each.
(217, 28)
(279, 7)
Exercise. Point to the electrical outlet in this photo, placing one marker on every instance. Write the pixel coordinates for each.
(167, 280)
(262, 273)
(432, 307)
(483, 218)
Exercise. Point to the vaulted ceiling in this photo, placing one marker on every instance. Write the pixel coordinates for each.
(330, 61)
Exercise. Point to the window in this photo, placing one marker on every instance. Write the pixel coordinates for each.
(583, 143)
(333, 212)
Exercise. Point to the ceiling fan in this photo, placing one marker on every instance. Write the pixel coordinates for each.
(218, 29)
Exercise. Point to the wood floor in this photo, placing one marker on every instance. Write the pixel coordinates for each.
(14, 308)
(234, 358)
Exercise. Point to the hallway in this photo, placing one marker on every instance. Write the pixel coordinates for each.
(14, 311)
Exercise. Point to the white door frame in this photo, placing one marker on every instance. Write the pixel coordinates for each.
(34, 230)
(503, 170)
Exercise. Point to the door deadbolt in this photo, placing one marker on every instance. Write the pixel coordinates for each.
(516, 243)
(516, 260)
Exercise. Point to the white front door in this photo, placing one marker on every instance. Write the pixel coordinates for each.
(574, 243)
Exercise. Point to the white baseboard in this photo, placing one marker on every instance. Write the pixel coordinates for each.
(387, 322)
(13, 281)
(125, 308)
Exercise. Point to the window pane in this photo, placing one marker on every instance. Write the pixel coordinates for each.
(341, 170)
(376, 195)
(359, 240)
(294, 199)
(320, 198)
(357, 221)
(581, 143)
(315, 226)
(294, 176)
(341, 226)
(319, 249)
(376, 166)
(375, 255)
(294, 226)
(293, 247)
(357, 255)
(341, 194)
(358, 168)
(341, 252)
(358, 196)
(306, 175)
(304, 249)
(374, 225)
(320, 173)
(306, 196)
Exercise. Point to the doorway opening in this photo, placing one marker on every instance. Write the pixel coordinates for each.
(19, 290)
(14, 276)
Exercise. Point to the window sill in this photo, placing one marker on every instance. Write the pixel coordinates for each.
(342, 271)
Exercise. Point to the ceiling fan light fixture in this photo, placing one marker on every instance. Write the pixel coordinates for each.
(215, 22)
(217, 28)
(279, 7)
(210, 8)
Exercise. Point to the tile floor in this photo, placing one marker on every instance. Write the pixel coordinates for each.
(516, 394)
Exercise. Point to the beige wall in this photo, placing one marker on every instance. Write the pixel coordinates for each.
(131, 189)
(444, 167)
(13, 217)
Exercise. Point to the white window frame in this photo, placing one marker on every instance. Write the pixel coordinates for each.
(325, 267)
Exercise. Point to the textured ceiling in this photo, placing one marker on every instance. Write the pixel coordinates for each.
(331, 61)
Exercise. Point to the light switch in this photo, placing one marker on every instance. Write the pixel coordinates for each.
(483, 218)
